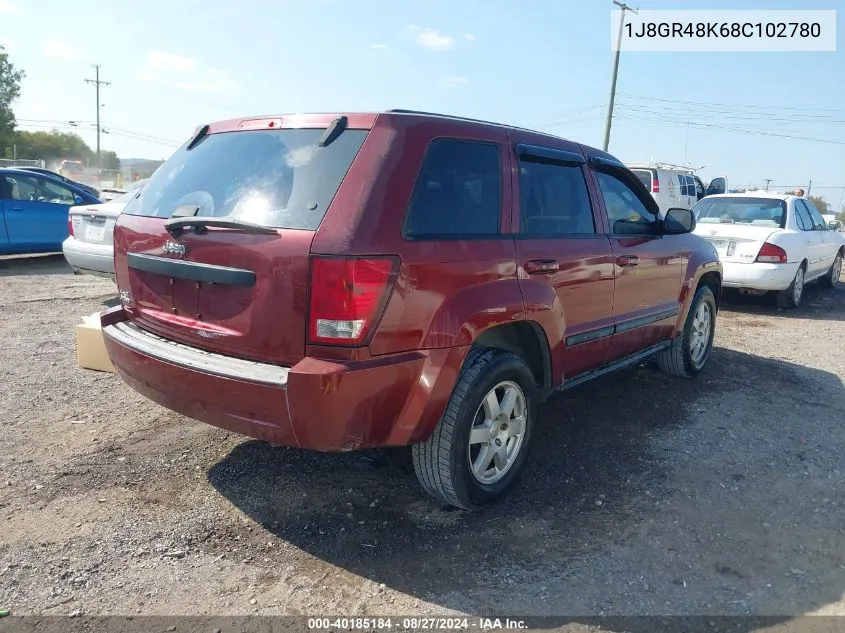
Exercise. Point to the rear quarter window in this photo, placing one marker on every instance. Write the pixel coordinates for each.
(457, 192)
(276, 178)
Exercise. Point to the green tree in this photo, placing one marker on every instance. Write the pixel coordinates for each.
(53, 145)
(10, 89)
(109, 159)
(820, 203)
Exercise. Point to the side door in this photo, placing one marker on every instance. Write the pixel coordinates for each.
(700, 189)
(649, 267)
(36, 212)
(683, 191)
(563, 252)
(717, 185)
(810, 238)
(827, 243)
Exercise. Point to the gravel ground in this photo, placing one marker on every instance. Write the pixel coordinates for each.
(644, 495)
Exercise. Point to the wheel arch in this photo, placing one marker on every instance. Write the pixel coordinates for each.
(528, 340)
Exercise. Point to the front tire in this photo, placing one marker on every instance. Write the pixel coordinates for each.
(688, 354)
(480, 446)
(791, 297)
(832, 277)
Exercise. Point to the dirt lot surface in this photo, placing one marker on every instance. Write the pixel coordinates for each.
(644, 495)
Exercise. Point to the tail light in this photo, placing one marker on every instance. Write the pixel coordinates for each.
(655, 184)
(771, 254)
(347, 296)
(70, 225)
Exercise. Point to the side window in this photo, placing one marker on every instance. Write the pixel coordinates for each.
(690, 186)
(55, 193)
(699, 187)
(458, 191)
(22, 188)
(818, 220)
(802, 216)
(683, 182)
(627, 212)
(554, 200)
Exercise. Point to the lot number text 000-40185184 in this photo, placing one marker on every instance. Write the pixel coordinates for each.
(732, 30)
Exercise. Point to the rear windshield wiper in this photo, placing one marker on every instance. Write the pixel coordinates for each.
(176, 225)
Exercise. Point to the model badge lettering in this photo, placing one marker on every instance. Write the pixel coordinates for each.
(173, 248)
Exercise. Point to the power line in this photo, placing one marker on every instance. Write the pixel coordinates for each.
(734, 105)
(676, 123)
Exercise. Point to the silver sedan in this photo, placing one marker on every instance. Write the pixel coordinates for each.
(89, 249)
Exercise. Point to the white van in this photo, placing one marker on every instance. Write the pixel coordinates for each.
(675, 187)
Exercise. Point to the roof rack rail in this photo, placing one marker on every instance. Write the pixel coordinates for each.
(468, 119)
(660, 165)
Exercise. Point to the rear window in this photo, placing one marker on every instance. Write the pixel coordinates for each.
(754, 211)
(280, 178)
(645, 177)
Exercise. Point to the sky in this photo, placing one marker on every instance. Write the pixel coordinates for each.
(543, 64)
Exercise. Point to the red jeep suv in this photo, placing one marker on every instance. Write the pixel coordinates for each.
(337, 282)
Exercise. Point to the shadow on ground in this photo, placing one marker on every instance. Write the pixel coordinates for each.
(22, 265)
(595, 472)
(818, 303)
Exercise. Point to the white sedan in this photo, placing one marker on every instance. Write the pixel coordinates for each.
(769, 242)
(88, 248)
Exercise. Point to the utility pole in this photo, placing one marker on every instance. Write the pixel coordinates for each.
(97, 83)
(767, 181)
(686, 142)
(809, 186)
(624, 7)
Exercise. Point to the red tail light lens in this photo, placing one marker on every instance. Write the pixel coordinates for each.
(771, 254)
(70, 226)
(655, 184)
(347, 295)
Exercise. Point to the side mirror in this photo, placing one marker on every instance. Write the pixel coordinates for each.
(834, 225)
(78, 200)
(678, 221)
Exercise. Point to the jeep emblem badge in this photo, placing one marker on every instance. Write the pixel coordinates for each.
(173, 248)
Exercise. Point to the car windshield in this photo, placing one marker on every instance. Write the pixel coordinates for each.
(275, 178)
(769, 212)
(645, 177)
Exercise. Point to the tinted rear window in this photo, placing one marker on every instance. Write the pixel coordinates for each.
(645, 177)
(278, 178)
(754, 211)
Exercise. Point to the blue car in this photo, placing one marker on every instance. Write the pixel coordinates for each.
(34, 211)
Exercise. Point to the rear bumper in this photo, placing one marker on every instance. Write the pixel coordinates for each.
(95, 259)
(758, 276)
(317, 404)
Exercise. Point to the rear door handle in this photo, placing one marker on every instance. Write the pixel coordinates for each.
(540, 266)
(627, 261)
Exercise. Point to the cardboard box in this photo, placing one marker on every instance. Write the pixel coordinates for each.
(90, 347)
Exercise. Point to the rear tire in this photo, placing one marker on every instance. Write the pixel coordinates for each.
(832, 277)
(480, 446)
(791, 297)
(688, 354)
